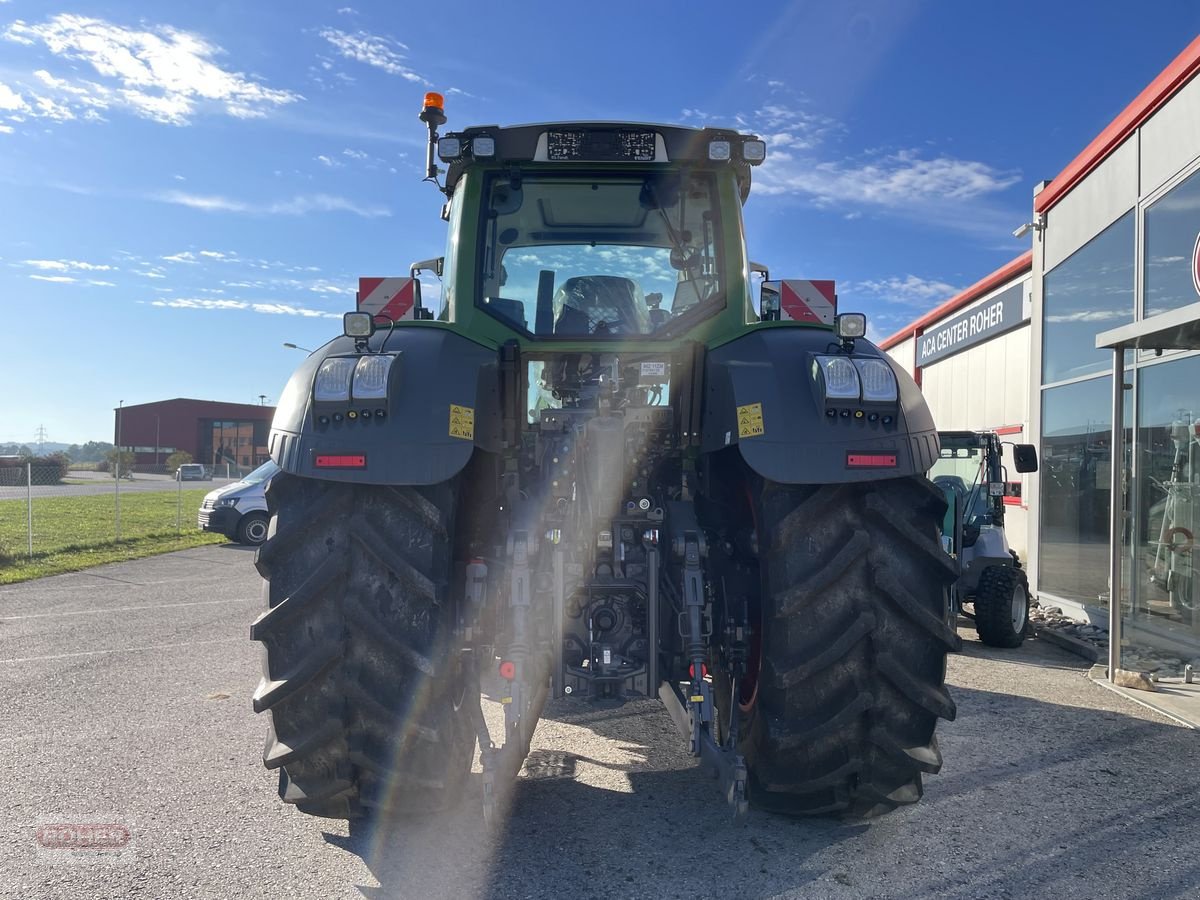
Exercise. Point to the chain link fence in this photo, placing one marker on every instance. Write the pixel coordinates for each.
(47, 509)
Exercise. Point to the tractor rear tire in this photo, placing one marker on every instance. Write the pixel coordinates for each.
(1002, 606)
(370, 710)
(855, 588)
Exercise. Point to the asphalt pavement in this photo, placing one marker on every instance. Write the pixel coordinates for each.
(125, 692)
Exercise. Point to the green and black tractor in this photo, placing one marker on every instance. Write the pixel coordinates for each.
(599, 466)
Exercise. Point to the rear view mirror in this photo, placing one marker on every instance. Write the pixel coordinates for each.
(1025, 458)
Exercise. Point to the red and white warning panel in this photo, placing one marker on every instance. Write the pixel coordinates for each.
(387, 299)
(807, 301)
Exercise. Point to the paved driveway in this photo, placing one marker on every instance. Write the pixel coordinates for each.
(125, 695)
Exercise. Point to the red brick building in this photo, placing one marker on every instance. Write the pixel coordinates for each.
(215, 434)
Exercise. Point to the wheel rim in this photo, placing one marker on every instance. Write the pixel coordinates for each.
(1019, 608)
(256, 530)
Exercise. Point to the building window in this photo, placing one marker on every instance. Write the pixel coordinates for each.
(1075, 470)
(1166, 591)
(1089, 292)
(1172, 225)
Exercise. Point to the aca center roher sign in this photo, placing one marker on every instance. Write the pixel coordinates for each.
(1001, 313)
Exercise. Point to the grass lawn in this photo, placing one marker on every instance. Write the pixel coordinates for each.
(72, 533)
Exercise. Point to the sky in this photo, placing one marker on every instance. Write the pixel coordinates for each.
(184, 187)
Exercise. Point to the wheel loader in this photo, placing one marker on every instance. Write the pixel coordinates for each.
(992, 582)
(598, 465)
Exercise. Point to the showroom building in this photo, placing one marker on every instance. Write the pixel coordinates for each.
(1029, 351)
(225, 435)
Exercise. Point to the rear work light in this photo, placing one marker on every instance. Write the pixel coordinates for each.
(483, 146)
(332, 384)
(718, 151)
(449, 148)
(878, 381)
(838, 377)
(754, 152)
(371, 377)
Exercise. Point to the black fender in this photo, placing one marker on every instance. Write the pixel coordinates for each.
(412, 443)
(789, 437)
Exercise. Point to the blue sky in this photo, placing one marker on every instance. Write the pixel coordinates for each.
(186, 186)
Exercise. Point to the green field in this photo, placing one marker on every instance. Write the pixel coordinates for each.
(72, 533)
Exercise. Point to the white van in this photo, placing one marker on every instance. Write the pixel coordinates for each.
(239, 510)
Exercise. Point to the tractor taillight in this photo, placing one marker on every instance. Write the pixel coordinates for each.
(340, 461)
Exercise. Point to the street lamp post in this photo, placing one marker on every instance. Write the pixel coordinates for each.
(117, 470)
(156, 442)
(297, 347)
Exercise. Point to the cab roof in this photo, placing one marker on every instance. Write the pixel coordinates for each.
(597, 142)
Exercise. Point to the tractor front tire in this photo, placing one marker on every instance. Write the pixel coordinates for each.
(369, 708)
(1002, 606)
(853, 643)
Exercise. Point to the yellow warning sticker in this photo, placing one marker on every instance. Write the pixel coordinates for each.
(462, 422)
(750, 420)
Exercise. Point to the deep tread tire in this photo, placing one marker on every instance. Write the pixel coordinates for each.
(853, 648)
(993, 606)
(368, 711)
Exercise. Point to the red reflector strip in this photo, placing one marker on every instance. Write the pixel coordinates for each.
(868, 461)
(348, 461)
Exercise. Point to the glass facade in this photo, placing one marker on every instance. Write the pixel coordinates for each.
(1162, 608)
(1171, 226)
(1076, 460)
(228, 442)
(1089, 292)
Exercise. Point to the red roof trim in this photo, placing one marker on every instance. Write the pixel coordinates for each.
(1158, 92)
(1020, 265)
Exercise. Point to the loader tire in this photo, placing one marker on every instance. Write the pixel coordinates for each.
(1002, 607)
(369, 710)
(852, 649)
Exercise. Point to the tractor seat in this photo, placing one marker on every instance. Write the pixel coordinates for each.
(600, 304)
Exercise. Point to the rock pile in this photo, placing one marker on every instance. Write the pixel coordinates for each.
(1148, 660)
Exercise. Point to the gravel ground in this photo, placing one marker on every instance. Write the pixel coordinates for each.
(126, 697)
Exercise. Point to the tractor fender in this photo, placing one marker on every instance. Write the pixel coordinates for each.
(761, 395)
(442, 403)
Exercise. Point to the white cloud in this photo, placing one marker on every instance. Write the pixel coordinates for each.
(189, 303)
(343, 11)
(296, 206)
(6, 129)
(217, 254)
(803, 161)
(895, 182)
(356, 154)
(10, 100)
(70, 279)
(187, 256)
(150, 273)
(374, 50)
(67, 265)
(1090, 315)
(328, 162)
(276, 309)
(161, 73)
(910, 290)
